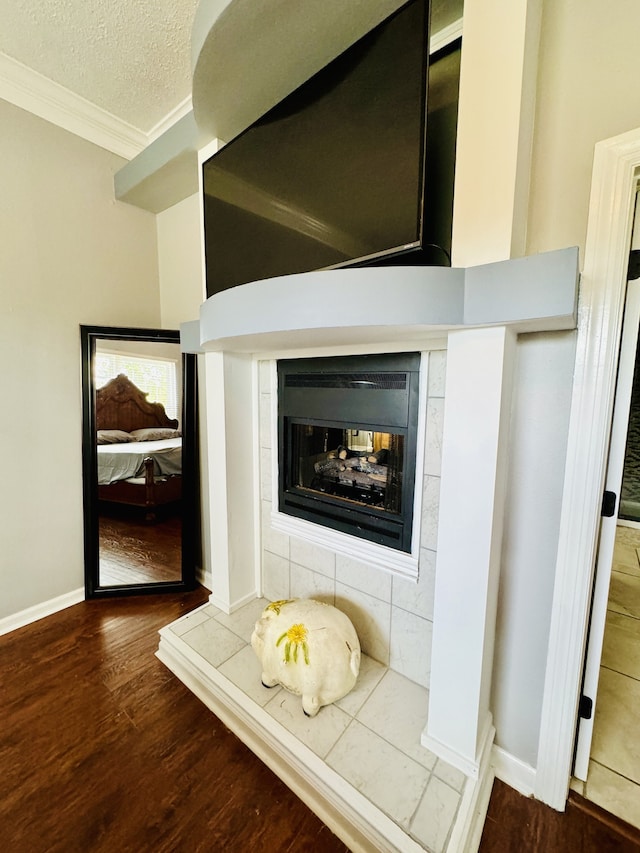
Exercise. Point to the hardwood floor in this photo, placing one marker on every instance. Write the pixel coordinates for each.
(517, 824)
(103, 750)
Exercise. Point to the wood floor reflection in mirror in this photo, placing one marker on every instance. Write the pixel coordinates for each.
(134, 551)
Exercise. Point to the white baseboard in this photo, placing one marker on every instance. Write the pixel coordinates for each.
(468, 767)
(235, 605)
(467, 830)
(39, 611)
(513, 772)
(204, 578)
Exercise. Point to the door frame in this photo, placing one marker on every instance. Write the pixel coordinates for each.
(608, 526)
(190, 463)
(601, 305)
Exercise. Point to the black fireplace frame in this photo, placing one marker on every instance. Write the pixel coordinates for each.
(367, 392)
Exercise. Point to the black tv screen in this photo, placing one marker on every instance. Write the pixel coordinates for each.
(333, 175)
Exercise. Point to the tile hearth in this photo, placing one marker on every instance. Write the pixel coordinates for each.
(370, 738)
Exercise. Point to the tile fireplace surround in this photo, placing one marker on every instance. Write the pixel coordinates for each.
(403, 762)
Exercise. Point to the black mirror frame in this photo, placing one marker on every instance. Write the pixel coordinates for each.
(190, 463)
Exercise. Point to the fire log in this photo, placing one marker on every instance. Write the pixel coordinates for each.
(328, 466)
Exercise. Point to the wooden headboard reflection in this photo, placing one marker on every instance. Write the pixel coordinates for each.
(122, 405)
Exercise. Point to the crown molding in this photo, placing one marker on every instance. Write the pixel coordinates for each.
(35, 93)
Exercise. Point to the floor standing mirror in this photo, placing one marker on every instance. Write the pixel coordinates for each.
(140, 462)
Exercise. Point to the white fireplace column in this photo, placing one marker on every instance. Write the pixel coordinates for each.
(230, 482)
(476, 428)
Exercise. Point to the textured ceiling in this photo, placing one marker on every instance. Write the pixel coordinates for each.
(130, 57)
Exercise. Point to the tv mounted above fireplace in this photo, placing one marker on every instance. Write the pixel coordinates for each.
(334, 175)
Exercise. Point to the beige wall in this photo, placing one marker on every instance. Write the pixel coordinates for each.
(70, 255)
(182, 288)
(587, 91)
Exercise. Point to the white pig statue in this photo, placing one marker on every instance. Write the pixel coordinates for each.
(308, 647)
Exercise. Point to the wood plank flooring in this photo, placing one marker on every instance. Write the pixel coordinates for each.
(103, 750)
(517, 824)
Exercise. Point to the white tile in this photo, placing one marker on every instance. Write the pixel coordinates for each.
(242, 621)
(417, 597)
(453, 777)
(273, 540)
(265, 422)
(319, 733)
(435, 815)
(213, 641)
(621, 649)
(361, 576)
(410, 647)
(266, 476)
(383, 774)
(370, 674)
(370, 617)
(397, 711)
(275, 576)
(617, 715)
(613, 793)
(437, 373)
(308, 584)
(245, 671)
(435, 428)
(625, 551)
(265, 374)
(430, 509)
(632, 567)
(624, 594)
(313, 557)
(186, 623)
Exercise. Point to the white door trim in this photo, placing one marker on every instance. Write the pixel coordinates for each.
(603, 281)
(607, 538)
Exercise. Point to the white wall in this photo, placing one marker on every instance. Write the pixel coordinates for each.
(70, 255)
(538, 441)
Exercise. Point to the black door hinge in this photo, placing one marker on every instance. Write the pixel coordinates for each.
(608, 504)
(633, 270)
(585, 708)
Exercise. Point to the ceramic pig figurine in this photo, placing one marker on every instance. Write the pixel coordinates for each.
(308, 647)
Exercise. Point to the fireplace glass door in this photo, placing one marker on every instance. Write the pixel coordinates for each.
(347, 441)
(359, 466)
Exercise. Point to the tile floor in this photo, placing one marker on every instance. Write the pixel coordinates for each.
(613, 780)
(371, 737)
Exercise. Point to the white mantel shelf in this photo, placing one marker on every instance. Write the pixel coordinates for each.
(344, 307)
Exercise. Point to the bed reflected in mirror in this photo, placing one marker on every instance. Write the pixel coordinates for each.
(138, 461)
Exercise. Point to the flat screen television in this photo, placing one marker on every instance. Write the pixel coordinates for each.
(335, 174)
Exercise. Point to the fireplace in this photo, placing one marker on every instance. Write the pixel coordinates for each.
(347, 430)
